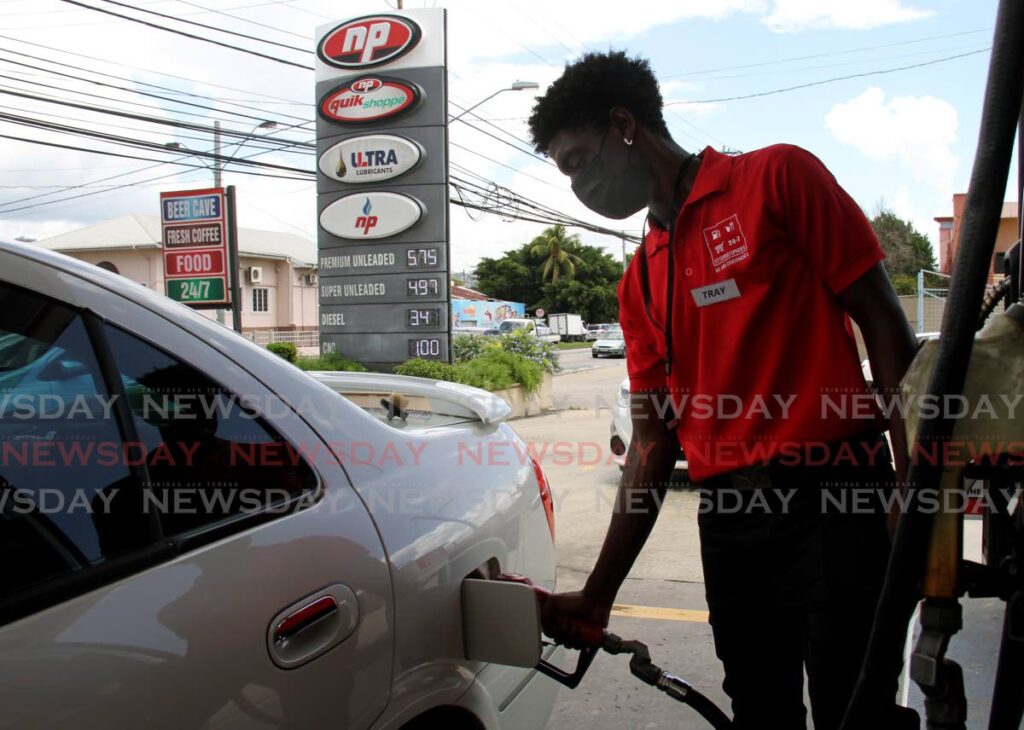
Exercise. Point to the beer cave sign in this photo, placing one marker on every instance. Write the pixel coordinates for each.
(193, 224)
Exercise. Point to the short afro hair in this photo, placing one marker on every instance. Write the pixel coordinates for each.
(590, 88)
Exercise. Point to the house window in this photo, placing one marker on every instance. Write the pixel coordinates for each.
(260, 299)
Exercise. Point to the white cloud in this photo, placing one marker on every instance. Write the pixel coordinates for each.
(789, 16)
(915, 131)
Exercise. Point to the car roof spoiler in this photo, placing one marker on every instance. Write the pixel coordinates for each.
(486, 406)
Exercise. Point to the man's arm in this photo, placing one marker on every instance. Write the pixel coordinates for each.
(872, 303)
(653, 451)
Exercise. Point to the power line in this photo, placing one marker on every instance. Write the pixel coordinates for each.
(824, 55)
(531, 153)
(189, 35)
(153, 120)
(80, 69)
(204, 25)
(124, 174)
(130, 90)
(133, 142)
(152, 71)
(246, 20)
(829, 81)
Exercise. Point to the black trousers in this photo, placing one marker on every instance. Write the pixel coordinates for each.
(794, 560)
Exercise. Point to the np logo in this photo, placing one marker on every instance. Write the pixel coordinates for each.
(370, 158)
(726, 243)
(369, 41)
(365, 86)
(366, 221)
(374, 215)
(368, 99)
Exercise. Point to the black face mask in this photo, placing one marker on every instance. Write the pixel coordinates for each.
(612, 193)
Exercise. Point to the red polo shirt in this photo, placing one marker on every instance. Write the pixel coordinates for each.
(764, 360)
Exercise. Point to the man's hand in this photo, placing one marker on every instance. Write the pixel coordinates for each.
(574, 620)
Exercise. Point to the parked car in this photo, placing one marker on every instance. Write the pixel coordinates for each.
(594, 331)
(622, 430)
(293, 558)
(511, 325)
(545, 333)
(610, 343)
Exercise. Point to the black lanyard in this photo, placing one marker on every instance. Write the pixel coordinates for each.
(645, 277)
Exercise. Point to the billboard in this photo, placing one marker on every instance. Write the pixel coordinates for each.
(476, 313)
(382, 174)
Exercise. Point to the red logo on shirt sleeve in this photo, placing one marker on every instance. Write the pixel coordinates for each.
(726, 243)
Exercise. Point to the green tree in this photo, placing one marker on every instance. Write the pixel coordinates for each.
(556, 247)
(589, 292)
(907, 250)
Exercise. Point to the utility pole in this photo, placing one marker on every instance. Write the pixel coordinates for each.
(216, 153)
(623, 252)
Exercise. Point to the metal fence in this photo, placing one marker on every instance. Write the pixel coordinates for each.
(932, 291)
(299, 338)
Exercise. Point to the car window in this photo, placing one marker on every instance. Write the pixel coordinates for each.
(61, 472)
(212, 458)
(613, 335)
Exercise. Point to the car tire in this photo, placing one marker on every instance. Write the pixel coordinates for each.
(593, 355)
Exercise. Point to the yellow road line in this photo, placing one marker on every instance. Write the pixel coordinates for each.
(665, 614)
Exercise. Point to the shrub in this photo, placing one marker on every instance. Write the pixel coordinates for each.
(519, 370)
(466, 347)
(332, 361)
(532, 348)
(421, 368)
(485, 372)
(494, 370)
(904, 284)
(287, 350)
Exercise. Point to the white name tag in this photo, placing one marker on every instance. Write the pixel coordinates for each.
(721, 291)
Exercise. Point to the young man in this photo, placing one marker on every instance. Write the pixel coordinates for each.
(736, 312)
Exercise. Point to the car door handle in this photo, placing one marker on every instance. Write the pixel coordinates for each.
(312, 625)
(305, 618)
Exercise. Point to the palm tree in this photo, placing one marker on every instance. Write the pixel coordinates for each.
(555, 245)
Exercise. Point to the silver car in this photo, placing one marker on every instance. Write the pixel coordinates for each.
(198, 534)
(622, 431)
(611, 343)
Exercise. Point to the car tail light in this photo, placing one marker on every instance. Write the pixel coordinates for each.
(545, 496)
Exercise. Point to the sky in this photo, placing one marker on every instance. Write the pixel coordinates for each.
(904, 138)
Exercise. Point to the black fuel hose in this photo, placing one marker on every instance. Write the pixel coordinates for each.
(645, 670)
(901, 591)
(992, 298)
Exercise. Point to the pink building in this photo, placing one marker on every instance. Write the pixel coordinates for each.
(277, 270)
(949, 236)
